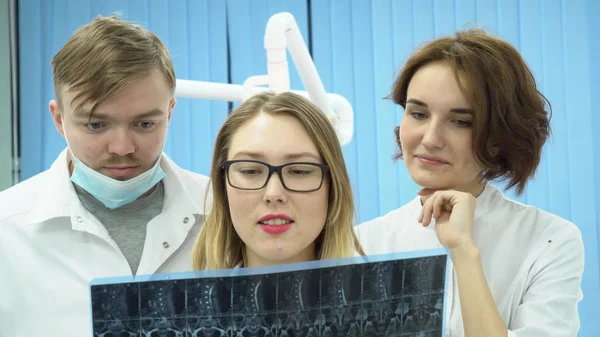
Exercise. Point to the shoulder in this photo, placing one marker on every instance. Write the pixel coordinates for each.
(193, 178)
(529, 220)
(393, 220)
(188, 185)
(396, 231)
(190, 181)
(19, 198)
(516, 236)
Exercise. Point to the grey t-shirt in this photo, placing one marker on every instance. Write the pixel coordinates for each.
(126, 225)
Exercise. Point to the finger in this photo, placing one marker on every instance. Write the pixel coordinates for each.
(427, 210)
(438, 203)
(449, 197)
(424, 201)
(422, 214)
(440, 206)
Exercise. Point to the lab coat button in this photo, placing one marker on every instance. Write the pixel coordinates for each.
(166, 244)
(186, 219)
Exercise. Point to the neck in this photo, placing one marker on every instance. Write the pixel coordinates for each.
(252, 259)
(475, 188)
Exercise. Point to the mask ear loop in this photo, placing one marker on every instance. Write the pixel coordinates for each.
(162, 149)
(70, 155)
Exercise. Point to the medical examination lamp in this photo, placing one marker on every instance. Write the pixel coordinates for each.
(281, 33)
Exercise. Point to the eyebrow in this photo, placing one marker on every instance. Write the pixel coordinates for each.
(99, 115)
(258, 155)
(423, 104)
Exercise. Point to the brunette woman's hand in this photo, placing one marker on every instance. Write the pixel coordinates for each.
(453, 212)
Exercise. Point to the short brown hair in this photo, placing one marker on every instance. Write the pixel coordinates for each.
(510, 120)
(218, 246)
(106, 55)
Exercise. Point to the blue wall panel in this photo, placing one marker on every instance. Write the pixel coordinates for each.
(207, 62)
(593, 10)
(358, 48)
(333, 49)
(424, 27)
(554, 89)
(580, 149)
(508, 21)
(404, 33)
(383, 112)
(531, 31)
(31, 81)
(487, 14)
(465, 12)
(445, 10)
(364, 101)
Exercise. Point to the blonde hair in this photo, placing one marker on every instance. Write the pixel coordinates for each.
(106, 55)
(218, 246)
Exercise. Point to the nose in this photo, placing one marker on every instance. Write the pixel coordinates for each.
(121, 142)
(433, 137)
(274, 191)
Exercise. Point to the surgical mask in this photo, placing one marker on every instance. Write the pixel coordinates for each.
(111, 192)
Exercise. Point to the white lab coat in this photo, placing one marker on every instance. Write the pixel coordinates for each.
(51, 247)
(532, 260)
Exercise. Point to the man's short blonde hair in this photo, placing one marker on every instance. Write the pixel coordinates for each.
(105, 56)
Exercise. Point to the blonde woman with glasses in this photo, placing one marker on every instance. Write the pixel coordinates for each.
(281, 192)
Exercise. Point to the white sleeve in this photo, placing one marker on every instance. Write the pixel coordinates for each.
(549, 305)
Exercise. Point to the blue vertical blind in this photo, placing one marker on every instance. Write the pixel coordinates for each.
(358, 47)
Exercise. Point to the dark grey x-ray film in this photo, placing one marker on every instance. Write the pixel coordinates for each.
(385, 295)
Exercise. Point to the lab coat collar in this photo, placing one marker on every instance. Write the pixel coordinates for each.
(57, 196)
(485, 200)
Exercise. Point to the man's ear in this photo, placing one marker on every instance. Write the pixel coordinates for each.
(171, 107)
(57, 116)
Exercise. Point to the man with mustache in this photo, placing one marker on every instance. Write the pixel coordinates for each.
(112, 204)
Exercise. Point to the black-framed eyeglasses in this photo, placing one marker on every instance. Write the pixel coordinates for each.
(255, 175)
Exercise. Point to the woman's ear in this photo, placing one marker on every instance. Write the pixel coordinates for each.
(493, 148)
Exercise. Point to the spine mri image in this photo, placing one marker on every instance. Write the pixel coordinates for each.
(389, 298)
